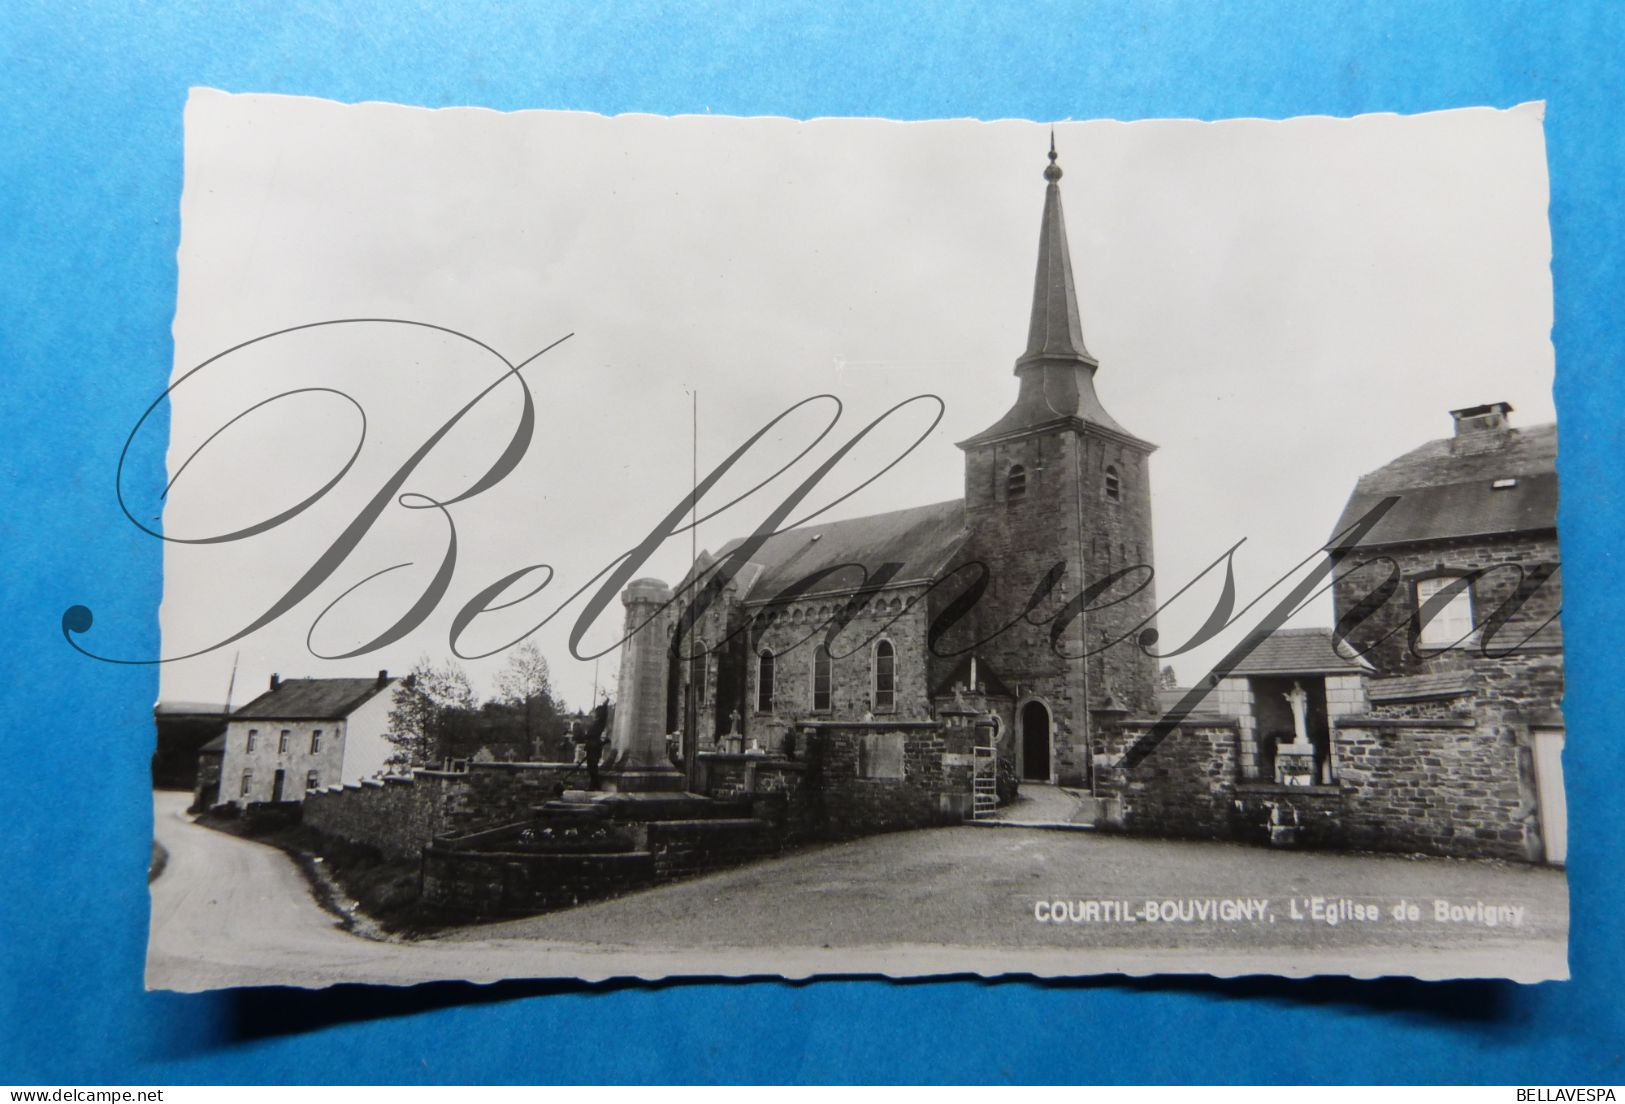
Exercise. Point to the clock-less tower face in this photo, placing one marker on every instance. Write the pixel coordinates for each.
(1058, 500)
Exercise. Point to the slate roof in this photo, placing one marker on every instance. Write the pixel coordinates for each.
(922, 539)
(1446, 488)
(312, 699)
(1297, 652)
(216, 744)
(188, 709)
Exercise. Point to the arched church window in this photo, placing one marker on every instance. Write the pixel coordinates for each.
(764, 681)
(822, 671)
(1015, 483)
(885, 695)
(1114, 485)
(697, 670)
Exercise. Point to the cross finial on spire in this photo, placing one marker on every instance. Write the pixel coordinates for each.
(1052, 171)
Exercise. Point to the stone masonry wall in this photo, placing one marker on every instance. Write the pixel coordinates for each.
(764, 777)
(866, 778)
(400, 814)
(1183, 788)
(1387, 636)
(1442, 785)
(397, 815)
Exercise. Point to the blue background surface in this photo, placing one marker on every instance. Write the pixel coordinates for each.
(90, 177)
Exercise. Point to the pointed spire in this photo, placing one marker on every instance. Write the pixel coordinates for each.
(1056, 331)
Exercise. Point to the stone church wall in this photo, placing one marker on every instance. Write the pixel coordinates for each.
(795, 631)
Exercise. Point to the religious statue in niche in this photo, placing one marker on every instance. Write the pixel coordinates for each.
(1295, 760)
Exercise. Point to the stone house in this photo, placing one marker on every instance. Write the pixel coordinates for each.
(1435, 725)
(1453, 598)
(965, 605)
(305, 734)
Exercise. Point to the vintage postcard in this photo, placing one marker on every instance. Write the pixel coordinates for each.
(642, 547)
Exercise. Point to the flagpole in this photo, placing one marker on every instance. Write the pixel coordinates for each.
(691, 721)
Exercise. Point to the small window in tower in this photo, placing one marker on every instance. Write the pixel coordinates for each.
(1114, 485)
(764, 681)
(1015, 483)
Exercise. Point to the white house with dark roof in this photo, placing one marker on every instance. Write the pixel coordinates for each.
(305, 734)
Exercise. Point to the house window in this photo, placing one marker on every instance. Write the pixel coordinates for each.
(248, 783)
(312, 780)
(697, 672)
(282, 742)
(822, 665)
(885, 695)
(1114, 485)
(253, 736)
(1015, 483)
(764, 681)
(315, 741)
(1442, 627)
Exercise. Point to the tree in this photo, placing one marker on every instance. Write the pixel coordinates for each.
(525, 685)
(428, 707)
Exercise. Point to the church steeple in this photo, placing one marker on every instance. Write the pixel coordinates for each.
(1057, 371)
(1056, 331)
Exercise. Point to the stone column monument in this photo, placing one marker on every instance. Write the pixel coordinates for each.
(638, 737)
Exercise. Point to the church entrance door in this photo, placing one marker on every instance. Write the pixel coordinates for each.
(1035, 764)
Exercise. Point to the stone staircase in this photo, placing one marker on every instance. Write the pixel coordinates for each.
(587, 845)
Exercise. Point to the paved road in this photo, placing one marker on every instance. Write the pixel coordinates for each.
(959, 900)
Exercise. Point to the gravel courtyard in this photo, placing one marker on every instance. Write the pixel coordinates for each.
(229, 911)
(979, 887)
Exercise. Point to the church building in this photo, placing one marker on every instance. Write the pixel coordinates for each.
(974, 606)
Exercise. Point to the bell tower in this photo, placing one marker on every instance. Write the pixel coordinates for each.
(1057, 493)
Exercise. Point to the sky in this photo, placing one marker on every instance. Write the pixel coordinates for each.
(1280, 305)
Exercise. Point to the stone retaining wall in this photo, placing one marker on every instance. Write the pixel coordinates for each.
(1185, 787)
(1441, 785)
(399, 814)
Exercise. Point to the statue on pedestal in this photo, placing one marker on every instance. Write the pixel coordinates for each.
(1298, 700)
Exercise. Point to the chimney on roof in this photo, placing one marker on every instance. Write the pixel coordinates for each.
(383, 679)
(276, 681)
(1478, 419)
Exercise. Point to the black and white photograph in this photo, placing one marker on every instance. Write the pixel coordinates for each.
(639, 546)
